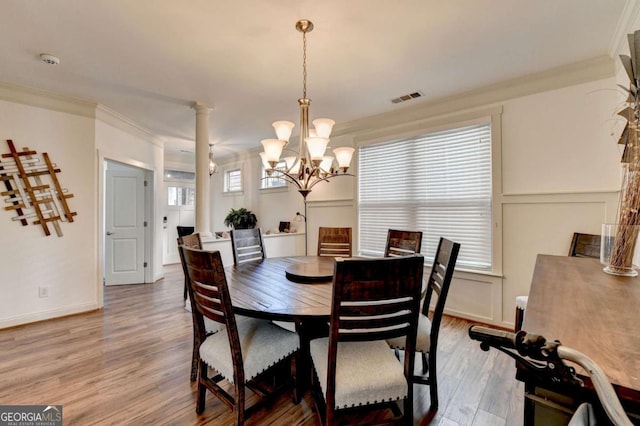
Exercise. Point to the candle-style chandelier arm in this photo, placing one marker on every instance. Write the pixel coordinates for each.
(326, 178)
(284, 176)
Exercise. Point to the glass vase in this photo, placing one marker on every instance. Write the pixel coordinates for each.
(618, 246)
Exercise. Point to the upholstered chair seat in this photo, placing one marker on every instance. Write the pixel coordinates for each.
(258, 352)
(366, 372)
(423, 339)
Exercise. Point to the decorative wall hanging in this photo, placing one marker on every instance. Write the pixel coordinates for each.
(28, 195)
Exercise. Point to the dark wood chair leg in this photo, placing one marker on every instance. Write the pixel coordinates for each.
(185, 289)
(297, 383)
(194, 357)
(425, 363)
(519, 319)
(202, 374)
(433, 383)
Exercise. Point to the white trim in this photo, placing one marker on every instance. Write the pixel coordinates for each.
(49, 100)
(627, 17)
(149, 276)
(568, 75)
(46, 315)
(119, 121)
(67, 104)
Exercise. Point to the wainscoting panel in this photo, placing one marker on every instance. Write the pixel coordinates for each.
(545, 224)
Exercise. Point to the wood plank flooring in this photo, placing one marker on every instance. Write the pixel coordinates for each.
(129, 364)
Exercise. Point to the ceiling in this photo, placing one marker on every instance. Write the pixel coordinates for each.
(150, 60)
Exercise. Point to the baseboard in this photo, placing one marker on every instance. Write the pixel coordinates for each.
(47, 315)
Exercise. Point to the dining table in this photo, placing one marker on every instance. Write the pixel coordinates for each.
(296, 290)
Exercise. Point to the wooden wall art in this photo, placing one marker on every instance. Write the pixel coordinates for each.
(22, 173)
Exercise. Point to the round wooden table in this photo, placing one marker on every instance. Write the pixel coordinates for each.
(261, 289)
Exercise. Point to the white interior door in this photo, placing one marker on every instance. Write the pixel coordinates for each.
(124, 226)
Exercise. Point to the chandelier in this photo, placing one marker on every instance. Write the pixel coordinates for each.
(213, 167)
(309, 165)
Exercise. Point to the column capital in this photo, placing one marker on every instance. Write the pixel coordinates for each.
(200, 107)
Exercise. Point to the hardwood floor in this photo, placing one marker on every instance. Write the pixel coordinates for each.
(129, 364)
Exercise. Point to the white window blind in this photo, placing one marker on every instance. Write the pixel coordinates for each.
(233, 180)
(439, 183)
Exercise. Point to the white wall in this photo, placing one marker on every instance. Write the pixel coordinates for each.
(558, 173)
(78, 136)
(120, 140)
(28, 258)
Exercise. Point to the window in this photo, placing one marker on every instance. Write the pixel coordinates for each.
(181, 196)
(233, 180)
(272, 181)
(438, 183)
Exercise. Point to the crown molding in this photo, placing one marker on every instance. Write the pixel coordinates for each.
(70, 105)
(628, 16)
(119, 121)
(580, 72)
(48, 100)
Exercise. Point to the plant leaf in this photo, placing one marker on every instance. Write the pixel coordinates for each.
(628, 67)
(624, 137)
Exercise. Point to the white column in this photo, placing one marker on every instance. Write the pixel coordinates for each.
(203, 205)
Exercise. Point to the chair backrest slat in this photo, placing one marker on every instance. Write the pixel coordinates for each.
(334, 242)
(247, 245)
(402, 243)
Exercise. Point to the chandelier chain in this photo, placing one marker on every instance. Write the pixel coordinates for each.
(304, 65)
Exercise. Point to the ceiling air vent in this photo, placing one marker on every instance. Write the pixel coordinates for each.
(405, 98)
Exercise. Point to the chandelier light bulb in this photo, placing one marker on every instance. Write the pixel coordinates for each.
(283, 129)
(317, 146)
(326, 163)
(273, 149)
(343, 156)
(265, 163)
(323, 126)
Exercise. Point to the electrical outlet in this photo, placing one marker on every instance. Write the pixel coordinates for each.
(43, 291)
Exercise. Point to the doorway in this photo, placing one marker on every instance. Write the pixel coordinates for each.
(127, 210)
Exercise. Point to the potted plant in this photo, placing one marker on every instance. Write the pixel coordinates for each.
(241, 219)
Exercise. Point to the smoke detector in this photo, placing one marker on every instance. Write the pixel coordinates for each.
(49, 59)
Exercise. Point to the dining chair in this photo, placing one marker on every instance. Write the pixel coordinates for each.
(183, 231)
(373, 300)
(585, 245)
(194, 241)
(334, 242)
(247, 245)
(402, 243)
(189, 240)
(429, 321)
(582, 245)
(248, 350)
